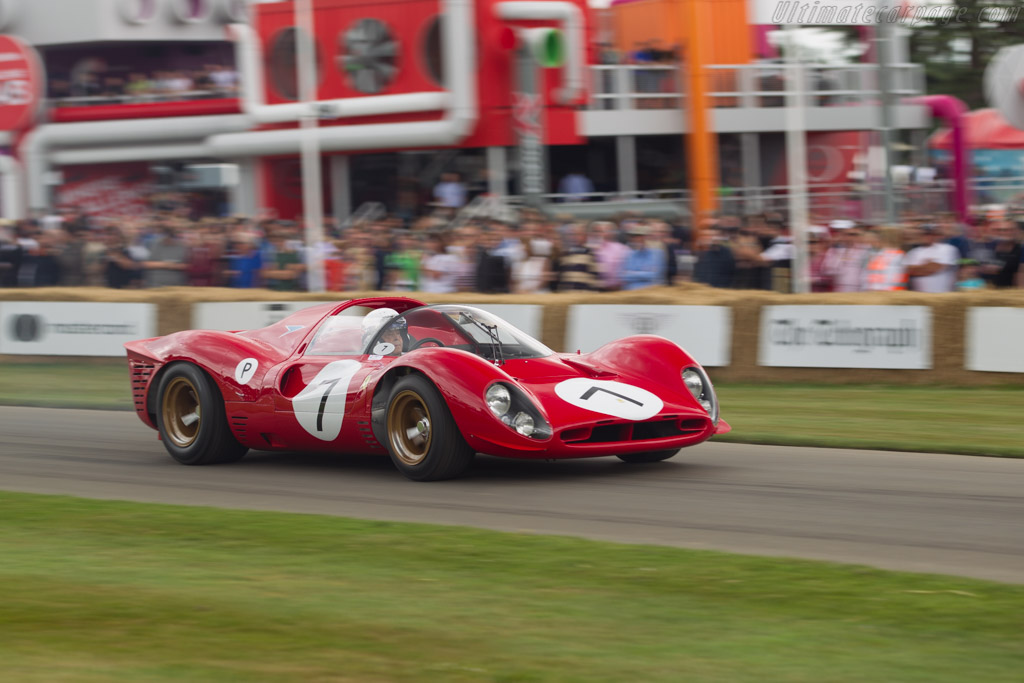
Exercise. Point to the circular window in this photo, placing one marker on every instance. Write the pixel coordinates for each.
(369, 55)
(433, 62)
(192, 11)
(281, 63)
(138, 11)
(235, 10)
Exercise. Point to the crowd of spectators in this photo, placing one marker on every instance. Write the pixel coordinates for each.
(133, 85)
(431, 254)
(533, 255)
(925, 254)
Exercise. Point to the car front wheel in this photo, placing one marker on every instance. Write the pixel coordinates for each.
(423, 439)
(191, 420)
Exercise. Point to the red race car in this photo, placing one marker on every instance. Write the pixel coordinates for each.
(430, 385)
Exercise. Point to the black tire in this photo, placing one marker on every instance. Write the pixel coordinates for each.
(191, 419)
(422, 438)
(652, 456)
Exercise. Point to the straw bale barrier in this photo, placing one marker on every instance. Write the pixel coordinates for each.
(174, 307)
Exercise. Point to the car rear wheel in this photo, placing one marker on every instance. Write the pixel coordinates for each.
(423, 439)
(191, 419)
(653, 456)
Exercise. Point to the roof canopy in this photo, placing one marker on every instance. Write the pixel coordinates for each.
(985, 129)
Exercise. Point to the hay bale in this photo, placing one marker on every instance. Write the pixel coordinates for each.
(949, 317)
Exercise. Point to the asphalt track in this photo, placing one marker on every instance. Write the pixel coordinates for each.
(918, 512)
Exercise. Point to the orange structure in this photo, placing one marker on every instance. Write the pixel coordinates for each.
(703, 32)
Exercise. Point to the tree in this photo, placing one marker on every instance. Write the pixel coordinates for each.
(956, 40)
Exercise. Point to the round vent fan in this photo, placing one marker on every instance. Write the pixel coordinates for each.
(370, 53)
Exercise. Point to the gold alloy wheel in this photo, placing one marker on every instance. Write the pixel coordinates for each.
(409, 428)
(181, 412)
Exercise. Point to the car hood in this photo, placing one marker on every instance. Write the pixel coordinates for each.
(562, 381)
(553, 368)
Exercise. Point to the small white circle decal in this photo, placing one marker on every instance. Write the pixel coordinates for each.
(610, 398)
(245, 370)
(383, 348)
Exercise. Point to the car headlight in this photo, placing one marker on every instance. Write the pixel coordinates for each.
(498, 399)
(693, 382)
(514, 409)
(523, 424)
(699, 386)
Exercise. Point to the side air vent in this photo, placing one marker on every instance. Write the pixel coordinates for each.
(368, 438)
(141, 372)
(239, 426)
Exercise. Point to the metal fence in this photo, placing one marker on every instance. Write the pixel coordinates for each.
(660, 86)
(858, 201)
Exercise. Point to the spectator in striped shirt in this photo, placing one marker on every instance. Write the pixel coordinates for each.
(576, 267)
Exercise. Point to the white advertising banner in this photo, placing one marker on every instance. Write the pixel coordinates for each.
(70, 328)
(993, 339)
(884, 337)
(244, 315)
(527, 317)
(704, 331)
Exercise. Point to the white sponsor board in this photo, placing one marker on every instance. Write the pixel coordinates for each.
(244, 315)
(993, 339)
(526, 317)
(885, 337)
(70, 328)
(704, 331)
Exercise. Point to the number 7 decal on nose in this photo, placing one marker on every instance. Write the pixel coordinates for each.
(610, 398)
(320, 407)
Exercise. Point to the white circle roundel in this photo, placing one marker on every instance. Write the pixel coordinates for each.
(245, 370)
(610, 398)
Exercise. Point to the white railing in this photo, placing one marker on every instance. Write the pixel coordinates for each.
(660, 86)
(635, 86)
(825, 200)
(597, 197)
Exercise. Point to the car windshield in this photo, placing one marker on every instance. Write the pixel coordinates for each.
(454, 326)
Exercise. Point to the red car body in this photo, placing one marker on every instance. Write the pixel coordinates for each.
(583, 405)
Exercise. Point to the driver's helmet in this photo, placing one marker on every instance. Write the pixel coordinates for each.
(374, 321)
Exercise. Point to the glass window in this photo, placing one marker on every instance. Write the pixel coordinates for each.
(454, 326)
(340, 335)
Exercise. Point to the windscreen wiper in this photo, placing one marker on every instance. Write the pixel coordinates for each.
(492, 333)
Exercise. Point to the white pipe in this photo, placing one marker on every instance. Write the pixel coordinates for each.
(108, 155)
(10, 188)
(571, 19)
(35, 147)
(249, 59)
(312, 194)
(459, 60)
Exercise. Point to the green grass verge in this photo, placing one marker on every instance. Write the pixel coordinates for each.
(110, 591)
(973, 421)
(102, 385)
(977, 421)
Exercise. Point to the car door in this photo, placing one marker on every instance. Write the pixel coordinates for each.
(322, 396)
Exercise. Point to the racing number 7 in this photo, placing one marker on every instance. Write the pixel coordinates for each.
(330, 383)
(593, 390)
